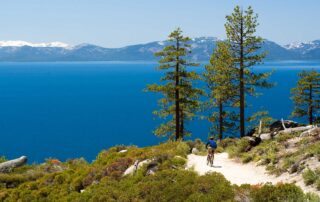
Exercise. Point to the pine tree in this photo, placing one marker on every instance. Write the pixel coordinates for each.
(240, 28)
(306, 96)
(221, 79)
(180, 100)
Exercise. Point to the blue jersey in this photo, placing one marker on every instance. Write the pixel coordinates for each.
(212, 144)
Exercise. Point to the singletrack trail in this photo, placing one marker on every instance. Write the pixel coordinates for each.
(238, 173)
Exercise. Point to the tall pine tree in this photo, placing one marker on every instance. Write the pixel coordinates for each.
(180, 100)
(240, 28)
(221, 79)
(306, 96)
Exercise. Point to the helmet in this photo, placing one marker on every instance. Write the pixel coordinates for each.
(211, 137)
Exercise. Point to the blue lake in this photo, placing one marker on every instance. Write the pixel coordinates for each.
(70, 110)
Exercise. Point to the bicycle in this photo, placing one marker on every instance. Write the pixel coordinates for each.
(210, 157)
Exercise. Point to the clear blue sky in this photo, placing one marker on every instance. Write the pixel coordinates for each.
(115, 23)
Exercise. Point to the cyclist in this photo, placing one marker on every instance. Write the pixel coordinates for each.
(211, 146)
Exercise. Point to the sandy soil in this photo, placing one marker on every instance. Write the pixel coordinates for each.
(238, 173)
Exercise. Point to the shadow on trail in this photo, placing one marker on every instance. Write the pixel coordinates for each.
(215, 166)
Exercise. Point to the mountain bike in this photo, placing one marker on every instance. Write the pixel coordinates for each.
(210, 157)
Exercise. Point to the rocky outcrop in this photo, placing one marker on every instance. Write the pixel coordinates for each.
(136, 165)
(9, 165)
(282, 125)
(194, 151)
(311, 132)
(253, 141)
(266, 136)
(296, 129)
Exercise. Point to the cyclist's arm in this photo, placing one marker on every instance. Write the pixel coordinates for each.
(207, 145)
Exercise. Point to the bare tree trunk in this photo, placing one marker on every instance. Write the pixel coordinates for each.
(8, 165)
(283, 125)
(260, 127)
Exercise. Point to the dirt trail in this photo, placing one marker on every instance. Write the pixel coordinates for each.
(238, 173)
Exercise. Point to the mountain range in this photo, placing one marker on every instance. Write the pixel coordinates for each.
(202, 48)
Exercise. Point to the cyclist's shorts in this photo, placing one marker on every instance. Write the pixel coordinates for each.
(210, 150)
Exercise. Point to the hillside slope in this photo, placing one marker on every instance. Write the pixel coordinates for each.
(128, 173)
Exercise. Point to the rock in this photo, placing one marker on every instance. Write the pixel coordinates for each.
(277, 125)
(9, 165)
(82, 190)
(296, 129)
(266, 136)
(152, 168)
(254, 141)
(294, 168)
(123, 151)
(311, 132)
(136, 165)
(194, 151)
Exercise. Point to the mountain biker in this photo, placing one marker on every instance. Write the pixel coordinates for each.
(211, 146)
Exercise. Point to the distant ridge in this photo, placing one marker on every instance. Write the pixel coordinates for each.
(202, 48)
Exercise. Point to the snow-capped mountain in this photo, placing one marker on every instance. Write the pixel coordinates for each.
(24, 43)
(308, 50)
(303, 46)
(202, 48)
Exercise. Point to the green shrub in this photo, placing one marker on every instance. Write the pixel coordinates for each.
(3, 159)
(227, 142)
(236, 150)
(219, 150)
(318, 184)
(278, 193)
(246, 158)
(309, 177)
(183, 149)
(311, 197)
(103, 179)
(286, 136)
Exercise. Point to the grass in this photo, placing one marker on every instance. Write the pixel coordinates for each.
(309, 177)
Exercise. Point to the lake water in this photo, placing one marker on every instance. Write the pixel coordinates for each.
(69, 110)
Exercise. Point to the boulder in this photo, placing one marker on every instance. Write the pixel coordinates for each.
(9, 165)
(254, 141)
(296, 129)
(152, 168)
(136, 165)
(278, 126)
(266, 136)
(194, 151)
(311, 132)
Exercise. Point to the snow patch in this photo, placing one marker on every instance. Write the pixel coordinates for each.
(56, 44)
(307, 46)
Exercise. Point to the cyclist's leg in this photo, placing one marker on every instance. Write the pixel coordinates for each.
(211, 156)
(213, 153)
(208, 156)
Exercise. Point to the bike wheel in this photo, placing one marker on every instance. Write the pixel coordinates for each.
(211, 161)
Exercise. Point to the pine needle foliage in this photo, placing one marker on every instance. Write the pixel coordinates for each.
(306, 96)
(221, 79)
(180, 101)
(245, 45)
